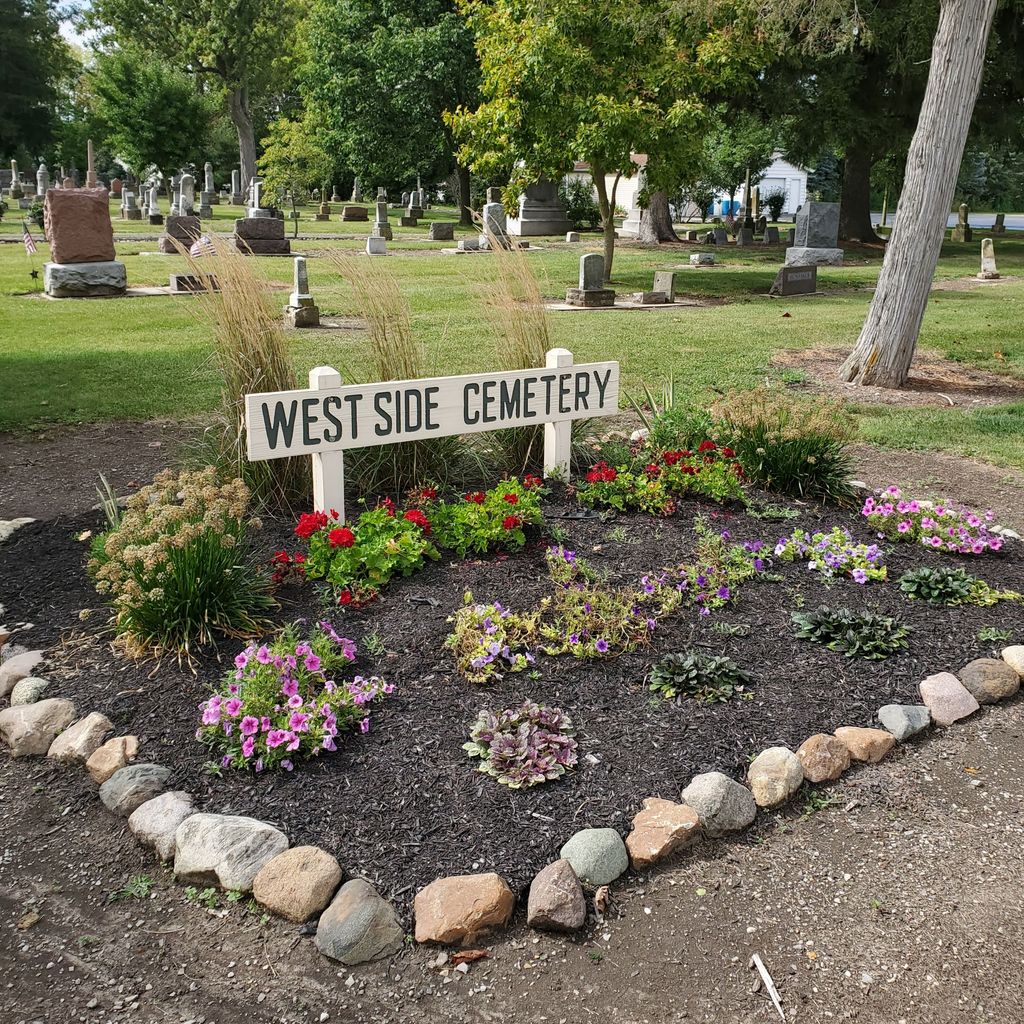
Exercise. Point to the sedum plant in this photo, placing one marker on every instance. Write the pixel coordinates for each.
(949, 586)
(857, 634)
(701, 676)
(523, 746)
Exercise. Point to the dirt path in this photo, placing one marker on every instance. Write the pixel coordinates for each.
(899, 902)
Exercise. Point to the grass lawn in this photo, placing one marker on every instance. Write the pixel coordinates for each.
(146, 357)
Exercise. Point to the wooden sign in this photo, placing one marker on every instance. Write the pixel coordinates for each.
(328, 418)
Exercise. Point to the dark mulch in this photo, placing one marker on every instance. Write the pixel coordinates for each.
(403, 805)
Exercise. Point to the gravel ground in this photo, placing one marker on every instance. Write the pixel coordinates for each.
(898, 902)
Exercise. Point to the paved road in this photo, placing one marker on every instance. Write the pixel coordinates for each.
(1014, 221)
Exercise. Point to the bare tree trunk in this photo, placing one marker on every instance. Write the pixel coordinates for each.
(855, 201)
(656, 221)
(885, 348)
(241, 118)
(465, 210)
(605, 205)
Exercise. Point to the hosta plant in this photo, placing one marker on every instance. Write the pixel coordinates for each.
(490, 640)
(941, 527)
(484, 520)
(952, 586)
(857, 634)
(701, 676)
(523, 746)
(833, 554)
(285, 700)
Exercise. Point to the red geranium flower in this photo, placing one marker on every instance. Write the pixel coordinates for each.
(280, 558)
(511, 522)
(651, 469)
(706, 446)
(298, 558)
(388, 505)
(477, 497)
(531, 480)
(671, 458)
(345, 597)
(334, 515)
(414, 515)
(689, 470)
(727, 453)
(512, 499)
(309, 523)
(341, 537)
(601, 472)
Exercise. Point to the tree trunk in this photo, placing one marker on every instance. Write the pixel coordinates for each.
(465, 210)
(885, 348)
(604, 204)
(855, 200)
(656, 221)
(241, 117)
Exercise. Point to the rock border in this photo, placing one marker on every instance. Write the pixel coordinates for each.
(354, 923)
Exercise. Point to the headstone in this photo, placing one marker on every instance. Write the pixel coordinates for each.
(572, 236)
(815, 237)
(745, 236)
(493, 194)
(407, 222)
(702, 259)
(116, 187)
(130, 210)
(77, 225)
(15, 191)
(691, 235)
(405, 200)
(261, 234)
(208, 185)
(988, 261)
(415, 207)
(90, 171)
(962, 232)
(335, 198)
(188, 195)
(760, 225)
(730, 224)
(665, 282)
(184, 230)
(357, 192)
(771, 235)
(721, 236)
(755, 204)
(381, 225)
(191, 284)
(301, 310)
(42, 180)
(495, 226)
(999, 228)
(441, 231)
(354, 213)
(795, 280)
(256, 210)
(591, 291)
(153, 206)
(540, 212)
(382, 195)
(631, 225)
(468, 245)
(376, 246)
(797, 256)
(67, 182)
(791, 236)
(237, 199)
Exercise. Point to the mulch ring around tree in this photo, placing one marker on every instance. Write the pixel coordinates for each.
(403, 805)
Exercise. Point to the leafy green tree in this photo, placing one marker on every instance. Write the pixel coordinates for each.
(598, 82)
(293, 162)
(740, 143)
(380, 76)
(246, 49)
(33, 60)
(150, 113)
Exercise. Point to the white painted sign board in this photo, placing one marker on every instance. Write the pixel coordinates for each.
(328, 417)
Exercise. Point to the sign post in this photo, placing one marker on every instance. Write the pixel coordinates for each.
(329, 418)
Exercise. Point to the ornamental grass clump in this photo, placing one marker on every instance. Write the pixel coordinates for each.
(283, 701)
(949, 586)
(523, 746)
(940, 527)
(485, 520)
(490, 640)
(703, 677)
(857, 634)
(799, 447)
(833, 554)
(177, 568)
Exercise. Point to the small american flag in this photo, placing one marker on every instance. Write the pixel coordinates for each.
(202, 246)
(30, 245)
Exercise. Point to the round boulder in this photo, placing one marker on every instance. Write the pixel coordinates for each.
(947, 698)
(1014, 657)
(556, 901)
(823, 757)
(455, 909)
(298, 883)
(869, 745)
(29, 690)
(597, 855)
(77, 743)
(129, 788)
(721, 803)
(774, 776)
(29, 729)
(359, 926)
(989, 680)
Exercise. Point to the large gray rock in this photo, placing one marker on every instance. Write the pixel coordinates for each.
(805, 256)
(990, 680)
(947, 698)
(597, 855)
(774, 776)
(130, 787)
(904, 720)
(29, 729)
(721, 803)
(359, 926)
(81, 740)
(21, 666)
(29, 690)
(225, 849)
(83, 280)
(155, 822)
(556, 900)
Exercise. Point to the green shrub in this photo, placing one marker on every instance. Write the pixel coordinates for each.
(176, 568)
(577, 197)
(798, 447)
(949, 586)
(857, 634)
(775, 200)
(484, 520)
(701, 676)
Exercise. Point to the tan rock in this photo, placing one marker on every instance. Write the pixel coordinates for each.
(662, 828)
(990, 680)
(298, 883)
(29, 729)
(461, 907)
(111, 757)
(823, 757)
(1014, 657)
(77, 224)
(21, 666)
(774, 776)
(869, 745)
(77, 743)
(947, 698)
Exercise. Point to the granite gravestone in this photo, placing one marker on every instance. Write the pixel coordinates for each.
(77, 225)
(962, 232)
(815, 237)
(591, 291)
(381, 224)
(301, 310)
(795, 280)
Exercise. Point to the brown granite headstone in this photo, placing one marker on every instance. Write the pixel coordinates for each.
(77, 224)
